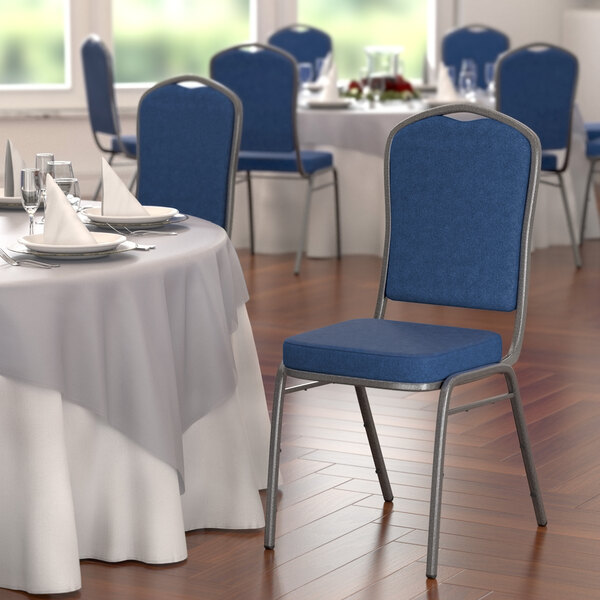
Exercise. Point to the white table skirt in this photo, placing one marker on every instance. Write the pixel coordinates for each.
(357, 138)
(73, 487)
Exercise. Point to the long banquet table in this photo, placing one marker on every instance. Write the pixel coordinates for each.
(131, 406)
(357, 136)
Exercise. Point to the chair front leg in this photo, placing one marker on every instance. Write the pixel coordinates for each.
(524, 443)
(437, 476)
(274, 455)
(574, 244)
(336, 198)
(303, 234)
(586, 198)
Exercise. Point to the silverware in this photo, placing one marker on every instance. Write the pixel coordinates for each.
(144, 247)
(24, 262)
(147, 232)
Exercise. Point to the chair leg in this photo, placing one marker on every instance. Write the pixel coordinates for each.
(304, 232)
(574, 244)
(274, 452)
(586, 199)
(437, 476)
(365, 409)
(250, 211)
(337, 213)
(521, 426)
(133, 180)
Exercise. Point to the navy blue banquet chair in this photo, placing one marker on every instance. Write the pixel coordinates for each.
(189, 131)
(593, 154)
(266, 80)
(102, 108)
(458, 233)
(304, 43)
(481, 43)
(536, 85)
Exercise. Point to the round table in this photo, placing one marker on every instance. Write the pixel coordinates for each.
(131, 406)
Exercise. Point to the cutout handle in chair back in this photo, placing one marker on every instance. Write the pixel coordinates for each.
(457, 191)
(188, 131)
(265, 80)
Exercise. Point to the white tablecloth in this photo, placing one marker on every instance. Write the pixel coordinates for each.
(75, 484)
(357, 139)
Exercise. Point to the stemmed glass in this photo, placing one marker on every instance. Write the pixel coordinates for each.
(467, 79)
(305, 73)
(31, 183)
(41, 163)
(70, 188)
(60, 169)
(489, 72)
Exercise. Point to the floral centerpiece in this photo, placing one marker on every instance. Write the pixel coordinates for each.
(394, 87)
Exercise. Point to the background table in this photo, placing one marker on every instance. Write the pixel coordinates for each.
(357, 138)
(82, 479)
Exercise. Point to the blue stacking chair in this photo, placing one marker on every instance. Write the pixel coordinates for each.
(460, 198)
(481, 43)
(189, 131)
(102, 108)
(536, 84)
(304, 43)
(266, 80)
(593, 154)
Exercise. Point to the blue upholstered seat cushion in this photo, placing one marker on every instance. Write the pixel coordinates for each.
(391, 350)
(549, 161)
(129, 141)
(592, 130)
(312, 160)
(593, 148)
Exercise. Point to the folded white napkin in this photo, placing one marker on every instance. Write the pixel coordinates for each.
(117, 200)
(330, 89)
(323, 74)
(13, 163)
(61, 223)
(446, 92)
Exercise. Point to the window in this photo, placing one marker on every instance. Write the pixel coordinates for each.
(33, 47)
(156, 39)
(354, 24)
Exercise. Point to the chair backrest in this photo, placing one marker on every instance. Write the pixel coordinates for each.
(266, 81)
(304, 43)
(99, 86)
(459, 207)
(188, 142)
(481, 43)
(536, 85)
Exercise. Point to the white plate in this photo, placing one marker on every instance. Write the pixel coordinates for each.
(104, 242)
(178, 218)
(313, 87)
(124, 247)
(155, 214)
(341, 103)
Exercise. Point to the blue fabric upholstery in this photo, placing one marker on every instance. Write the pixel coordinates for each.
(549, 162)
(185, 141)
(536, 85)
(593, 148)
(312, 160)
(129, 141)
(592, 130)
(391, 350)
(456, 214)
(304, 43)
(482, 44)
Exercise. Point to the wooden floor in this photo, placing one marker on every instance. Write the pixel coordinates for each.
(337, 538)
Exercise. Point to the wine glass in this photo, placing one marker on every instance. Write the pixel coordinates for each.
(467, 79)
(305, 73)
(60, 169)
(41, 163)
(31, 183)
(489, 72)
(70, 188)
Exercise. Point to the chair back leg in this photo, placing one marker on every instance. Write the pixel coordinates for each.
(574, 244)
(336, 198)
(274, 455)
(304, 232)
(367, 416)
(586, 198)
(250, 211)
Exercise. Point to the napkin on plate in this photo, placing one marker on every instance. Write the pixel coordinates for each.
(330, 89)
(323, 74)
(446, 92)
(61, 223)
(13, 163)
(117, 200)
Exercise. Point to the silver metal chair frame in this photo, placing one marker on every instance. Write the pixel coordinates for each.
(446, 387)
(236, 136)
(590, 178)
(559, 172)
(300, 167)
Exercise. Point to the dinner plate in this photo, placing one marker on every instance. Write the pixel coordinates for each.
(313, 87)
(9, 201)
(178, 218)
(155, 214)
(123, 247)
(104, 242)
(341, 103)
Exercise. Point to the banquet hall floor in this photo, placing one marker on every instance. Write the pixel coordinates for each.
(337, 539)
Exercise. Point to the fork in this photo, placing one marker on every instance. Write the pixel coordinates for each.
(25, 261)
(147, 232)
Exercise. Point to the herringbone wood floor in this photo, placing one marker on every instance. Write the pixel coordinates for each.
(337, 538)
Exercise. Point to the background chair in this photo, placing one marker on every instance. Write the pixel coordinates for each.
(593, 154)
(102, 109)
(304, 43)
(189, 131)
(481, 43)
(266, 80)
(536, 84)
(480, 261)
